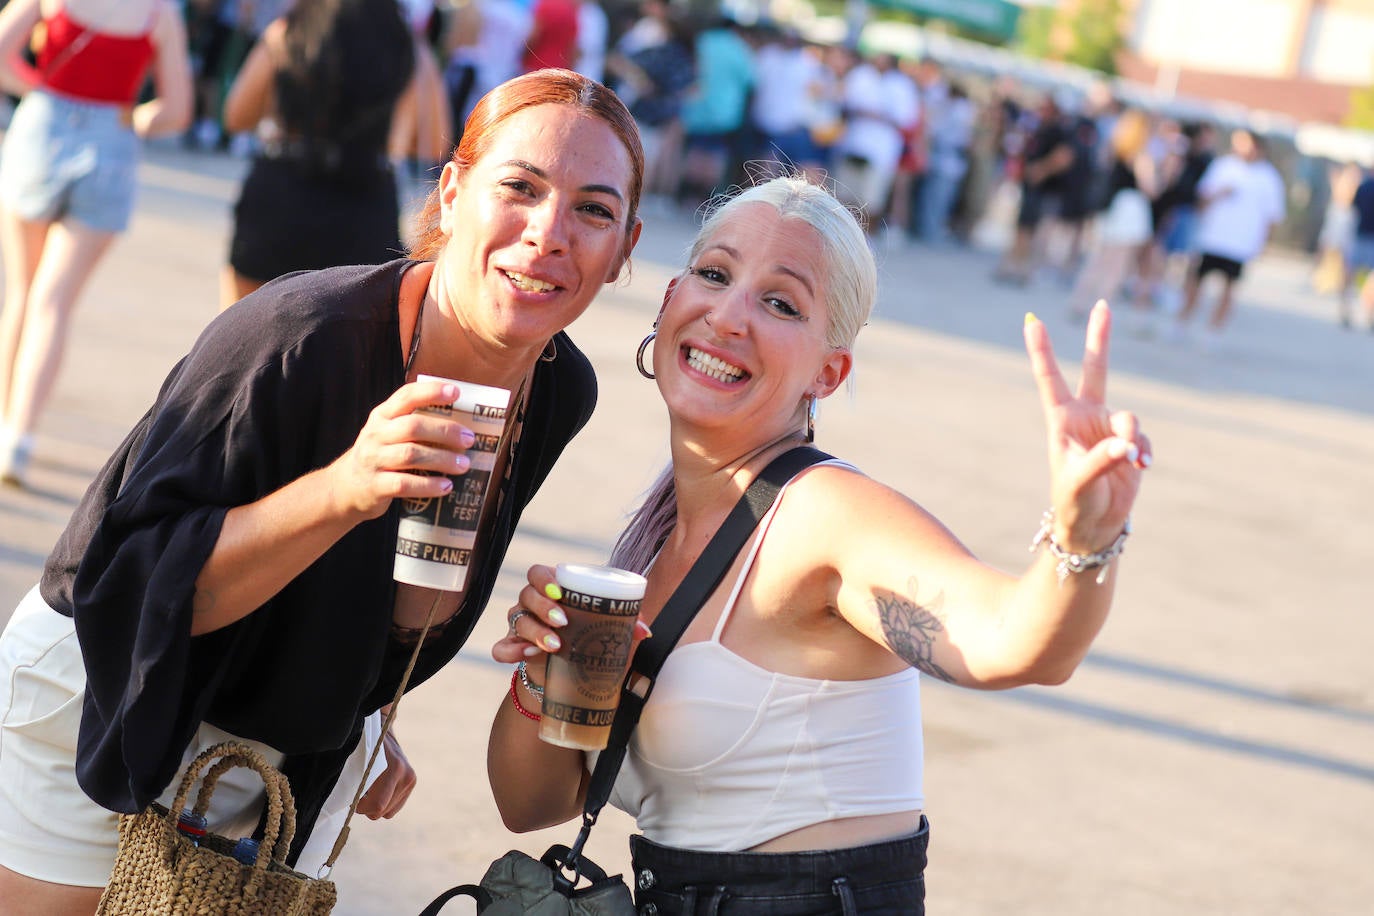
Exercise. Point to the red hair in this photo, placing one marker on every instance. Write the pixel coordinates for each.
(541, 87)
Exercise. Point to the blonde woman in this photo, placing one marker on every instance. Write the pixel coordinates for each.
(1125, 224)
(777, 766)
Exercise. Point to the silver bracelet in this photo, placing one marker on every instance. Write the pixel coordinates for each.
(530, 685)
(1078, 562)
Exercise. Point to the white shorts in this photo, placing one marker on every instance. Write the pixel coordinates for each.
(49, 828)
(864, 184)
(1127, 220)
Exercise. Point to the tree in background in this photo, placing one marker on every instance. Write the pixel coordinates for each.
(1087, 33)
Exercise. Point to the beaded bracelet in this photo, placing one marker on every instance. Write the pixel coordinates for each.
(530, 685)
(515, 699)
(1078, 562)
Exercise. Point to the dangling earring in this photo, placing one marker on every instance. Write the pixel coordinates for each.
(811, 419)
(639, 357)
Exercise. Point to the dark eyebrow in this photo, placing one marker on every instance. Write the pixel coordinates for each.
(779, 268)
(591, 188)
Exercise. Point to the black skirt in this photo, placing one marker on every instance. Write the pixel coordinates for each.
(290, 216)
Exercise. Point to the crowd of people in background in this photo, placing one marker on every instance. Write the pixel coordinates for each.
(1109, 201)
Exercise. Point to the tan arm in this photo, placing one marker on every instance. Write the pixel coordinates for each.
(17, 21)
(170, 111)
(250, 97)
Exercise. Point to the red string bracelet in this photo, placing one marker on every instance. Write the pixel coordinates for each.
(515, 699)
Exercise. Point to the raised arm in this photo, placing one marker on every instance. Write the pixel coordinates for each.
(17, 20)
(907, 583)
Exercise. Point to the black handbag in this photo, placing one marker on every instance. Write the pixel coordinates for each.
(548, 886)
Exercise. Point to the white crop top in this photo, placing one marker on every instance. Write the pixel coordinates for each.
(728, 755)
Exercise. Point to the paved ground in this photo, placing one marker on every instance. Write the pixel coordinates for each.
(1215, 754)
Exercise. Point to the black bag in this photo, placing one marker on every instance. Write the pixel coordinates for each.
(517, 883)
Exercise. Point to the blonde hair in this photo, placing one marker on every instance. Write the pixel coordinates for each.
(1129, 136)
(851, 276)
(851, 286)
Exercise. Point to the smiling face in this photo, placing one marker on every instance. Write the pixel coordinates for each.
(535, 226)
(742, 340)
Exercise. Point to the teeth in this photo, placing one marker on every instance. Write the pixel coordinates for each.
(528, 284)
(718, 369)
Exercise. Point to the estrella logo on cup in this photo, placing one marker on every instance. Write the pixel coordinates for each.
(597, 656)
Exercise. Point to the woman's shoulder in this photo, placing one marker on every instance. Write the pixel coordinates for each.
(820, 486)
(319, 311)
(835, 495)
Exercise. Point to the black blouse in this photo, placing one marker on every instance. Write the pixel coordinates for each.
(276, 386)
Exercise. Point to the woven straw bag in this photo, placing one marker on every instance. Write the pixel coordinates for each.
(158, 870)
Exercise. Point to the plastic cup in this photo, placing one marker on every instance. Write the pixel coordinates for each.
(582, 685)
(435, 538)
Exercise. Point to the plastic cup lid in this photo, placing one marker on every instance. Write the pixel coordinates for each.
(606, 581)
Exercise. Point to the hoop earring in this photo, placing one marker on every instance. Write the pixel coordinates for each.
(639, 357)
(811, 420)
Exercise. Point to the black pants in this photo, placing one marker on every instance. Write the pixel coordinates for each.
(882, 879)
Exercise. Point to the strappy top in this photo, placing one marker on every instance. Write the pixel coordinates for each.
(728, 755)
(92, 66)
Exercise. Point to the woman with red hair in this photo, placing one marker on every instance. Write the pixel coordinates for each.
(230, 569)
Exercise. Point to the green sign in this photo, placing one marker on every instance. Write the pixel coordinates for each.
(993, 18)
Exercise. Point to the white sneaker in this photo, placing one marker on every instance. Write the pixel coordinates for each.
(15, 453)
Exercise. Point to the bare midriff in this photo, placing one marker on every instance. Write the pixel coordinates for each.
(845, 833)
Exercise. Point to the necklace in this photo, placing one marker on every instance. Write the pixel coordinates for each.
(414, 340)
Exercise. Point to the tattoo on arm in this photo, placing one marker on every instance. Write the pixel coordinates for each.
(911, 630)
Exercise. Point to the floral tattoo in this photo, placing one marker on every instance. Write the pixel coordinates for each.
(911, 629)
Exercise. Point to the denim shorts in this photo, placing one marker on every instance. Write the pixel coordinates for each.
(1180, 226)
(881, 879)
(64, 158)
(1359, 254)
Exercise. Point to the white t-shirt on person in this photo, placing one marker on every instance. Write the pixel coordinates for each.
(1236, 224)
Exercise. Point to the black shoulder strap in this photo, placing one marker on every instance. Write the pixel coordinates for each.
(682, 606)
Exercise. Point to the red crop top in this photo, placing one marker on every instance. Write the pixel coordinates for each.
(98, 68)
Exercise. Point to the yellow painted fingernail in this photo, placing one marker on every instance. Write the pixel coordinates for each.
(1030, 316)
(553, 591)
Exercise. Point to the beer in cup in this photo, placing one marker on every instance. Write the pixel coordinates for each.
(582, 686)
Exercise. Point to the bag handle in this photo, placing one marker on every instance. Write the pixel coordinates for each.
(282, 845)
(696, 587)
(342, 838)
(280, 828)
(476, 892)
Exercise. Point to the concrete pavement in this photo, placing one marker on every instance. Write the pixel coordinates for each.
(1215, 754)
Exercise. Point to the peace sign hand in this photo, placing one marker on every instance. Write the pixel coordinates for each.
(1096, 456)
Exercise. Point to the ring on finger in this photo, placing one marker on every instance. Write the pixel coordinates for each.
(521, 612)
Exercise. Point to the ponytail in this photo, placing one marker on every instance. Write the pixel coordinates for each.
(648, 529)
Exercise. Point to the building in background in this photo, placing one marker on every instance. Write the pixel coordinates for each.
(1301, 58)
